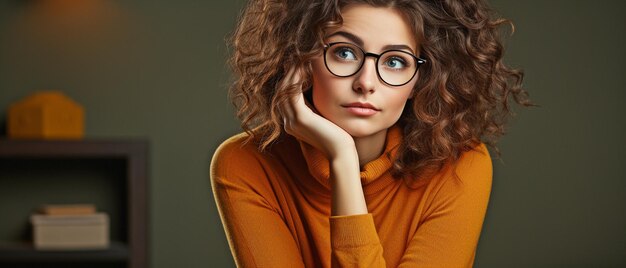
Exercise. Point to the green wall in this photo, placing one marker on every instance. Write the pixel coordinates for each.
(156, 69)
(559, 198)
(153, 69)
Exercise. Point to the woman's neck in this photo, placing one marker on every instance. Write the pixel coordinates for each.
(370, 147)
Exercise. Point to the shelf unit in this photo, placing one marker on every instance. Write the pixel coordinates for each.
(131, 250)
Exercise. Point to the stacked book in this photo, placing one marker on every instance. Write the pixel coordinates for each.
(70, 227)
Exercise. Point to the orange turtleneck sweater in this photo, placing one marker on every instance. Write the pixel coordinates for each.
(275, 207)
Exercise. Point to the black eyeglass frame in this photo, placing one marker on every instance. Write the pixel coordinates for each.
(419, 61)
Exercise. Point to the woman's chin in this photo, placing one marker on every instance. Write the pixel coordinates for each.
(358, 132)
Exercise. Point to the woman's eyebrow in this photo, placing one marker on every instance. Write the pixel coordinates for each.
(359, 41)
(398, 47)
(350, 36)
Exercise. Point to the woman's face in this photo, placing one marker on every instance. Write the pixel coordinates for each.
(341, 99)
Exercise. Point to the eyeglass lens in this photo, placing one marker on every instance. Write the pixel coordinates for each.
(393, 67)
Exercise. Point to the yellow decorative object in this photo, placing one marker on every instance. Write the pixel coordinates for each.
(46, 115)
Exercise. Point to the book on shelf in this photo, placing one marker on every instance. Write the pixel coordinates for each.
(69, 209)
(70, 227)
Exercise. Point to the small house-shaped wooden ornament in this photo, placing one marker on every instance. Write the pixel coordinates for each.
(46, 115)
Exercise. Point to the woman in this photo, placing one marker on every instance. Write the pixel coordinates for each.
(364, 134)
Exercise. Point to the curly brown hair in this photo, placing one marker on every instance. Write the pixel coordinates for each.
(461, 97)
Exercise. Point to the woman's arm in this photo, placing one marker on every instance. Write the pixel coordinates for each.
(354, 240)
(256, 232)
(338, 146)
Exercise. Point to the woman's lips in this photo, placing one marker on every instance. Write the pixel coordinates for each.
(361, 109)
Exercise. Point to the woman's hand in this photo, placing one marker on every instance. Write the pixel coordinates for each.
(302, 122)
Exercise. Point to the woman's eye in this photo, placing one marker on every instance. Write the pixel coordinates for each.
(345, 53)
(395, 63)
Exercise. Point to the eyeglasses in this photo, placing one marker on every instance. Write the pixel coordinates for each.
(394, 67)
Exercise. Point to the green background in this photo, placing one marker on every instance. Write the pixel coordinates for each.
(156, 69)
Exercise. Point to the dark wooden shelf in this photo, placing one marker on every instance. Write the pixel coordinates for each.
(25, 252)
(134, 152)
(92, 148)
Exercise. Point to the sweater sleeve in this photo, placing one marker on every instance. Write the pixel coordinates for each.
(451, 226)
(257, 235)
(354, 242)
(448, 232)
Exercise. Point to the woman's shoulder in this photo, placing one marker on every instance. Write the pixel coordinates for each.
(234, 153)
(238, 143)
(239, 170)
(240, 153)
(469, 177)
(478, 156)
(476, 159)
(474, 167)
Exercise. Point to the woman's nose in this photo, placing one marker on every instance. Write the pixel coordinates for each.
(366, 78)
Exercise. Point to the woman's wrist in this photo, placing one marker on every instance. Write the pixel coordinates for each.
(347, 191)
(344, 151)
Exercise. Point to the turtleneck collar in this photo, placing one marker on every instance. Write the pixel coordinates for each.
(319, 165)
